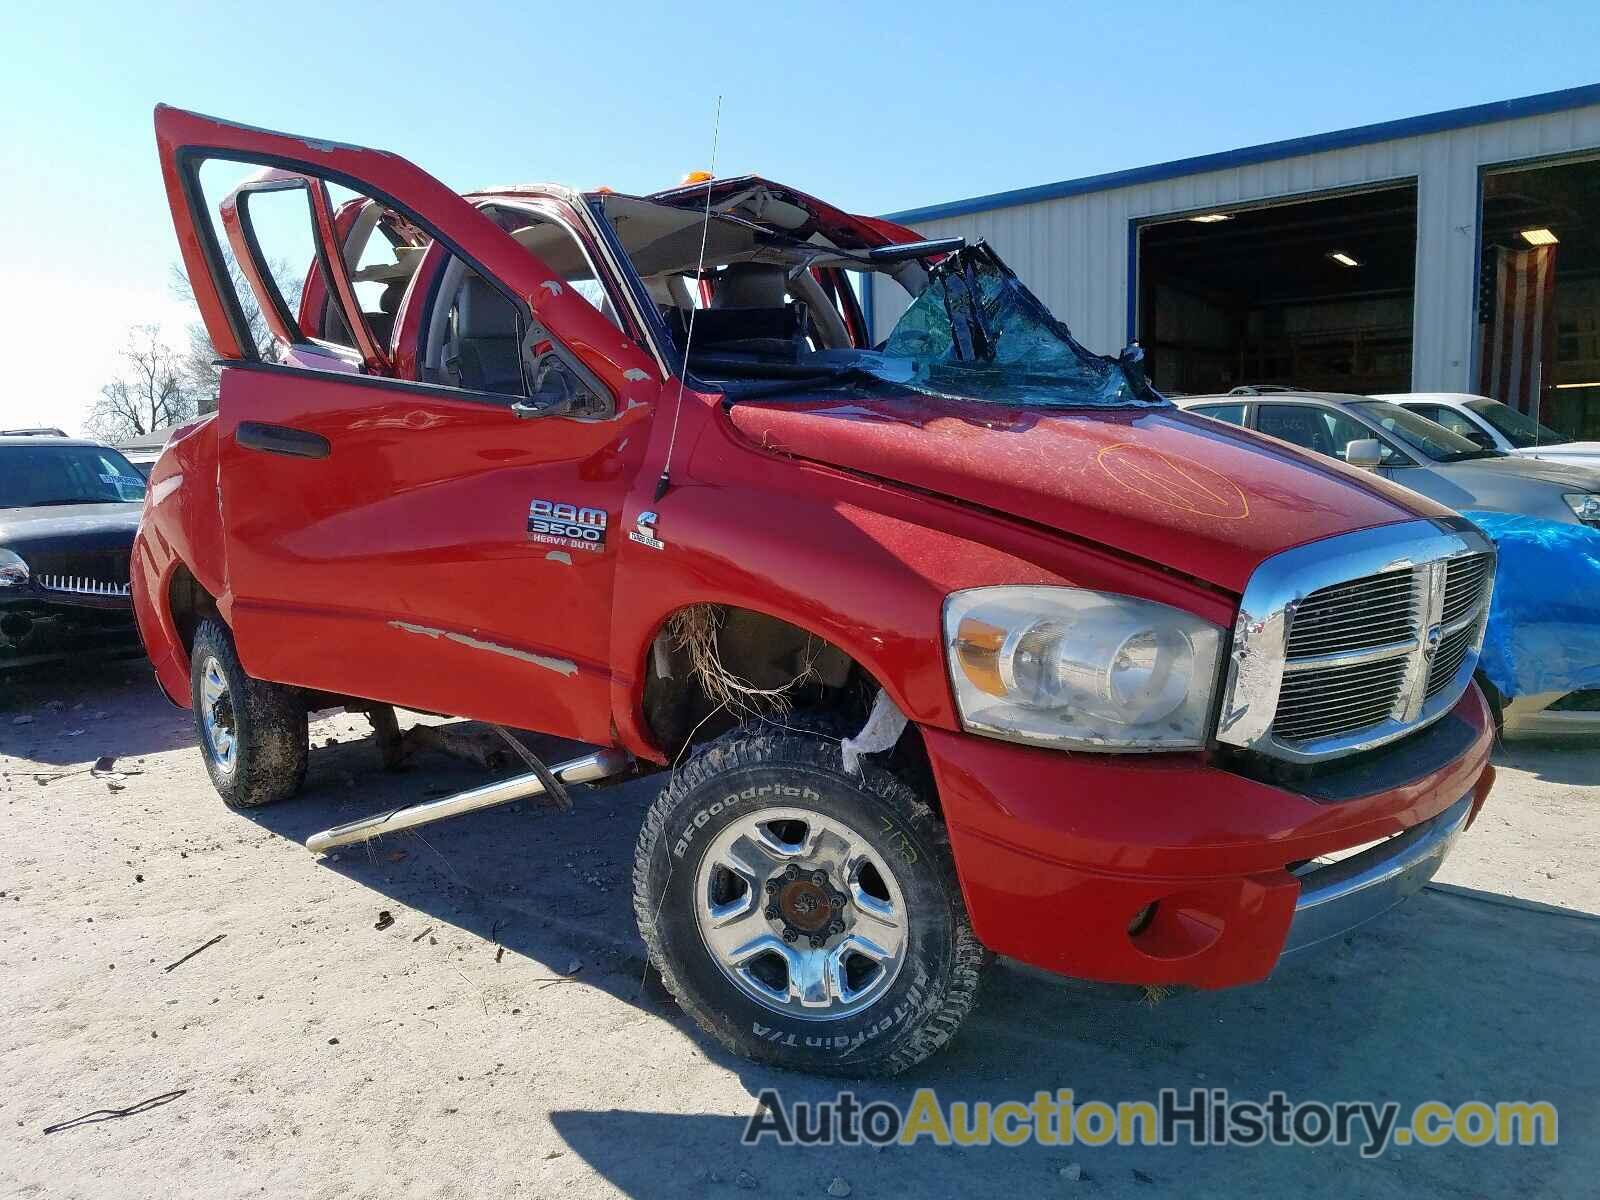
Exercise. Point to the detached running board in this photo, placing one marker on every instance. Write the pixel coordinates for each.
(599, 765)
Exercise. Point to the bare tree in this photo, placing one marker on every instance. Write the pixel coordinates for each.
(148, 392)
(201, 374)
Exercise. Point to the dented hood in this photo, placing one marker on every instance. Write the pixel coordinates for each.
(1169, 487)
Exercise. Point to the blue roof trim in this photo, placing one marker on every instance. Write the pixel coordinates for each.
(1362, 135)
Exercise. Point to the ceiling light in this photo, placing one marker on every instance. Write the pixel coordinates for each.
(1343, 259)
(1539, 237)
(1211, 218)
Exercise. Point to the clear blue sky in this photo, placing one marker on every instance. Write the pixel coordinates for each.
(875, 108)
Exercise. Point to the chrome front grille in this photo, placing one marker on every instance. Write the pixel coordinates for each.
(1334, 700)
(1349, 616)
(81, 585)
(1464, 582)
(1447, 661)
(1353, 641)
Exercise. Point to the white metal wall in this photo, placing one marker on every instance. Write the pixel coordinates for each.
(1074, 251)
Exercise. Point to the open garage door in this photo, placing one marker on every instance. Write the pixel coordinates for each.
(1539, 293)
(1312, 293)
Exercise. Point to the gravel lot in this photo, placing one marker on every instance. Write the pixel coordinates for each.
(500, 1037)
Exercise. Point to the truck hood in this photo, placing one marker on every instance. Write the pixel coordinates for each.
(1169, 487)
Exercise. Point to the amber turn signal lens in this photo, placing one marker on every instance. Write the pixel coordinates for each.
(978, 651)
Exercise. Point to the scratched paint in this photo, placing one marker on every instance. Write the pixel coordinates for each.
(165, 488)
(1161, 477)
(635, 375)
(560, 666)
(560, 556)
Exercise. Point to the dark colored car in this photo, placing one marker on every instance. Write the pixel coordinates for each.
(68, 513)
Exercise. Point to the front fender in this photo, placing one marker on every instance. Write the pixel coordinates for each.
(860, 563)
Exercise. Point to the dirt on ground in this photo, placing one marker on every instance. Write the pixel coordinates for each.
(194, 1004)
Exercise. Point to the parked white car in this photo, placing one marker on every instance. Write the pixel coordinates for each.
(1497, 426)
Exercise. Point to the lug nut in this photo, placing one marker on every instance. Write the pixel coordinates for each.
(772, 911)
(790, 935)
(816, 941)
(836, 927)
(819, 877)
(791, 872)
(772, 887)
(836, 901)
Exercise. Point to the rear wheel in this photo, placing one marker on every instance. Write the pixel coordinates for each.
(804, 916)
(252, 733)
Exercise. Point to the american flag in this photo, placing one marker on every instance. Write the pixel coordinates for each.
(1520, 327)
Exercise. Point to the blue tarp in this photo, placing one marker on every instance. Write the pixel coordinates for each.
(1544, 620)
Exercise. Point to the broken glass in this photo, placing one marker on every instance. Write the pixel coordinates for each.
(977, 332)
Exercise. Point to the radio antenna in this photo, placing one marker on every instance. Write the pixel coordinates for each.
(665, 481)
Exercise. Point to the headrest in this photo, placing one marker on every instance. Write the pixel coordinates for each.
(750, 285)
(483, 311)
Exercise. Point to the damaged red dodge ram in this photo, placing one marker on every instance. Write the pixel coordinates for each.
(964, 642)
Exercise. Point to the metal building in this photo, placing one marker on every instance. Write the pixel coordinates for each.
(1458, 251)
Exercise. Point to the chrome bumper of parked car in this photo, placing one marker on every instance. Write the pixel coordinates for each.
(1337, 897)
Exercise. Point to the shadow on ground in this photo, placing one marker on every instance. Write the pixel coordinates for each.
(1571, 760)
(1456, 996)
(83, 709)
(1451, 999)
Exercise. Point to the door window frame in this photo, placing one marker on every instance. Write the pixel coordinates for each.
(188, 161)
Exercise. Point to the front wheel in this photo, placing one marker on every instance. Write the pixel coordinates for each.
(253, 734)
(804, 916)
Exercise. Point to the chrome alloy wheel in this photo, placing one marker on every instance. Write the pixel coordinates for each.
(216, 715)
(801, 913)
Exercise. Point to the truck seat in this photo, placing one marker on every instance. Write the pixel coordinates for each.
(487, 355)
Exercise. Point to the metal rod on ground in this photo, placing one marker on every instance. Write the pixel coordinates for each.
(599, 765)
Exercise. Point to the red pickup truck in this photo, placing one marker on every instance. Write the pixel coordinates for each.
(961, 643)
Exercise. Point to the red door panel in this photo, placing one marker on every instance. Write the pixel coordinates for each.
(377, 531)
(400, 567)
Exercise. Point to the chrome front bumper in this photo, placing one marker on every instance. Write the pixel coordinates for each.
(1339, 896)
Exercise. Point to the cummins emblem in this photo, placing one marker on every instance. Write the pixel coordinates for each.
(644, 532)
(559, 524)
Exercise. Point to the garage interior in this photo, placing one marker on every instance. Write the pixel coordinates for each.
(1311, 293)
(1550, 209)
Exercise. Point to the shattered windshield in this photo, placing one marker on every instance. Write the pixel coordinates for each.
(977, 331)
(757, 297)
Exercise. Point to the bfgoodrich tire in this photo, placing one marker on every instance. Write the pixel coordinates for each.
(804, 916)
(252, 733)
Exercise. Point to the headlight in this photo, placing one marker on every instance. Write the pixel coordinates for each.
(13, 571)
(1080, 670)
(1585, 506)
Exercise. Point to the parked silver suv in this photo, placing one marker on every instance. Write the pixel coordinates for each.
(1412, 451)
